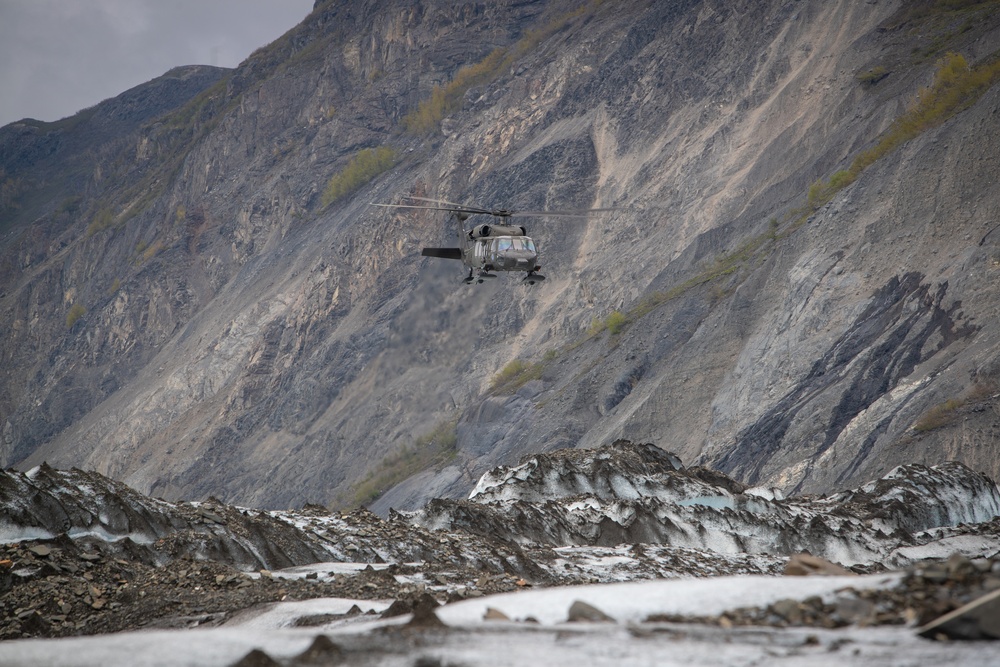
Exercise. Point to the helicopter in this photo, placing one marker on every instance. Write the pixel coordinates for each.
(488, 248)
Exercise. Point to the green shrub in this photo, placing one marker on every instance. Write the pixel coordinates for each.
(151, 251)
(947, 412)
(518, 373)
(773, 227)
(841, 179)
(872, 76)
(938, 415)
(70, 205)
(362, 168)
(447, 98)
(955, 87)
(510, 371)
(101, 221)
(76, 311)
(816, 196)
(615, 322)
(753, 249)
(432, 449)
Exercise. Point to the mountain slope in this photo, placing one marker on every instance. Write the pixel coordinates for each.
(244, 336)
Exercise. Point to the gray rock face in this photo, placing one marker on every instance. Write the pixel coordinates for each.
(231, 335)
(979, 619)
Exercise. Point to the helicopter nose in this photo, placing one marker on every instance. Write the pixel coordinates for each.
(519, 260)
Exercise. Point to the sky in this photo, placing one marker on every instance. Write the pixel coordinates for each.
(60, 56)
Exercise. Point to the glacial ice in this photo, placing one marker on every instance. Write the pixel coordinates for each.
(619, 494)
(624, 493)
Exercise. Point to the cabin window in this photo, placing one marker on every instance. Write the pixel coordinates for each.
(524, 244)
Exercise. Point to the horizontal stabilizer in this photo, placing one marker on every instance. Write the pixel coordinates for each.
(444, 253)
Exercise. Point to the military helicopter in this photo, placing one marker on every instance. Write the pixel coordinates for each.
(487, 248)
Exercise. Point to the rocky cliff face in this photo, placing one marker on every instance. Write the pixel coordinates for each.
(188, 313)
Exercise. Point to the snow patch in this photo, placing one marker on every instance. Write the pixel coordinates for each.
(634, 601)
(11, 533)
(767, 493)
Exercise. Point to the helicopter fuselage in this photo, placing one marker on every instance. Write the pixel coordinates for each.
(500, 248)
(487, 248)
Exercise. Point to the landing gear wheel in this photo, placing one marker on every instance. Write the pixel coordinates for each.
(533, 278)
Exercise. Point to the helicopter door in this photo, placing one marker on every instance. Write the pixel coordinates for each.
(494, 256)
(480, 253)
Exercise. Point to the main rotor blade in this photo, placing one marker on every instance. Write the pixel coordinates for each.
(463, 208)
(503, 213)
(424, 208)
(561, 214)
(436, 201)
(452, 207)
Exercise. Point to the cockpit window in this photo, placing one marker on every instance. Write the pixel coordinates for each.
(515, 243)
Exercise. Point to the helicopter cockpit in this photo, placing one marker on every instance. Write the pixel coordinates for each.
(512, 253)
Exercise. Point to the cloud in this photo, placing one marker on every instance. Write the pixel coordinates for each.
(58, 57)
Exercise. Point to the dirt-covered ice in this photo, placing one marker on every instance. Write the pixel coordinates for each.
(678, 562)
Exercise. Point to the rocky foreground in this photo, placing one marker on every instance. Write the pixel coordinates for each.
(82, 554)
